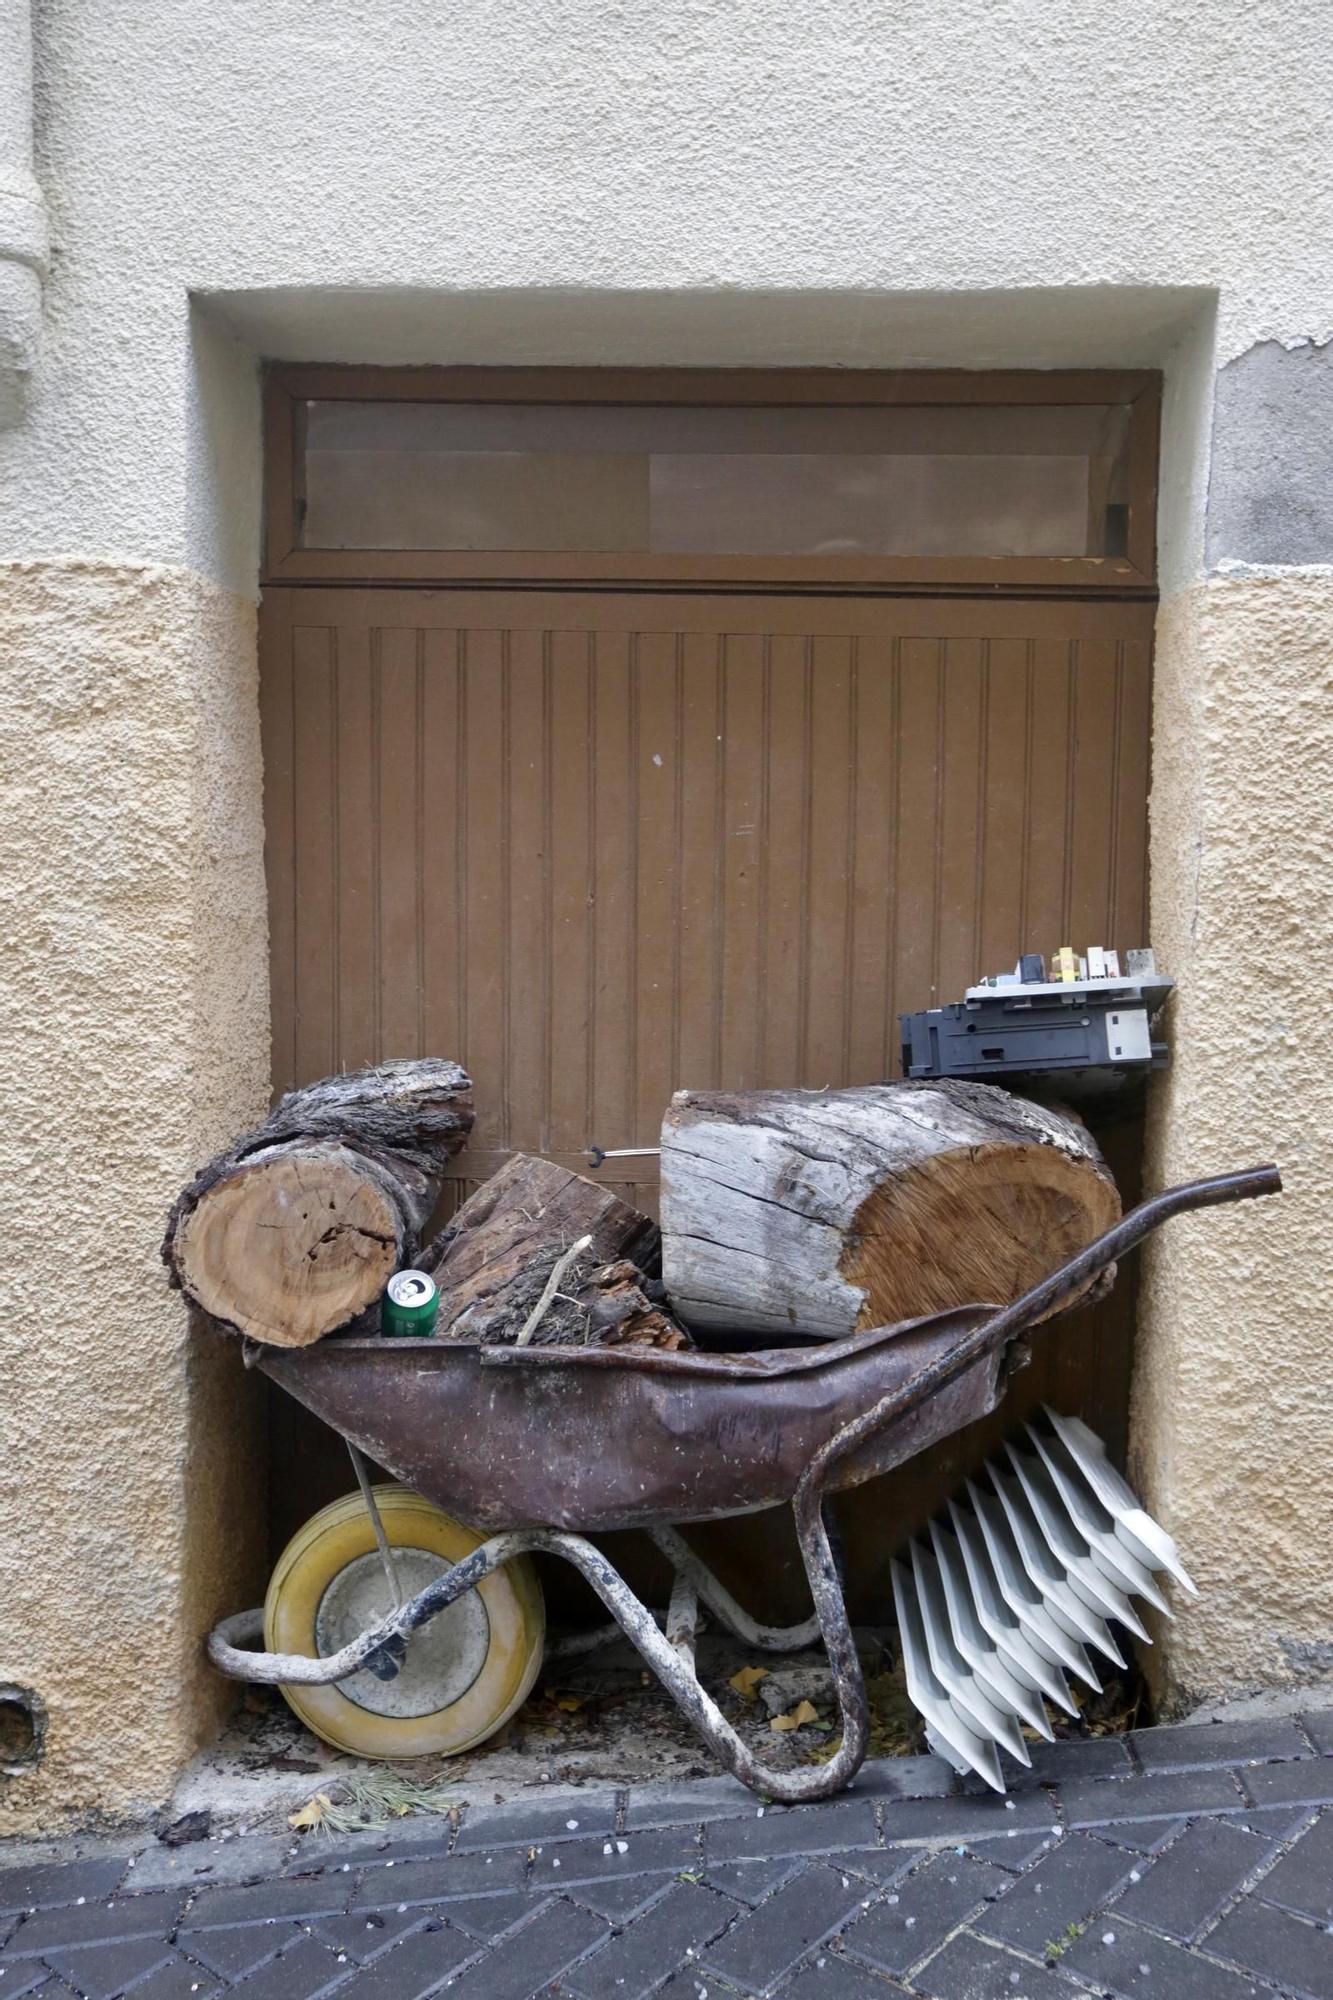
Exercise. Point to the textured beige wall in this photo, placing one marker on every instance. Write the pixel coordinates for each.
(1233, 1420)
(133, 1040)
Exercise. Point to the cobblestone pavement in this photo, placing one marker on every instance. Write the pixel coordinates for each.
(1189, 1864)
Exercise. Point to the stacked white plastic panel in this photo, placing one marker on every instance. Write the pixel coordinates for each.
(1016, 1593)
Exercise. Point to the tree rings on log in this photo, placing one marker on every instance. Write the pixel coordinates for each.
(296, 1240)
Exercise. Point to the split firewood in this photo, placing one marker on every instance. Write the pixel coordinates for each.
(624, 1307)
(828, 1212)
(297, 1228)
(534, 1222)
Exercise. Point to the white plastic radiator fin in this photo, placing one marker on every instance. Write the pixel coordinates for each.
(1018, 1587)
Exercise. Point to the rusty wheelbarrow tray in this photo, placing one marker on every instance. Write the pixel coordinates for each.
(583, 1439)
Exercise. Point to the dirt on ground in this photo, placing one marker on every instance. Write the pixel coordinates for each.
(598, 1719)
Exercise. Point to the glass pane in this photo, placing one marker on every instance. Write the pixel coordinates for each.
(947, 480)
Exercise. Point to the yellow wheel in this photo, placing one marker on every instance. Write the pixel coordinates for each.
(466, 1671)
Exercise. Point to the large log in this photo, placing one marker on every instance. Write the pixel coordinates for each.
(297, 1228)
(495, 1259)
(827, 1212)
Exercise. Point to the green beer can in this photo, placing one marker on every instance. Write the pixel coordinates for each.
(410, 1305)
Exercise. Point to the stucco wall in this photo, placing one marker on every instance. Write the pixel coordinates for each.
(653, 180)
(133, 1039)
(1233, 1417)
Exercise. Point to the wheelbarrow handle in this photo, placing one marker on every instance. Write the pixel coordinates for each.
(1126, 1235)
(1011, 1319)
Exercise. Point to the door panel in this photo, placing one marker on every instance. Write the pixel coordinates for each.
(598, 846)
(620, 848)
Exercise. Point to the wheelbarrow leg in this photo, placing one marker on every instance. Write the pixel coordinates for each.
(719, 1600)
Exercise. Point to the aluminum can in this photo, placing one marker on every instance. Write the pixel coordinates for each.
(411, 1305)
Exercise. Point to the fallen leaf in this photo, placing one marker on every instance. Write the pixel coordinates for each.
(804, 1711)
(311, 1814)
(747, 1680)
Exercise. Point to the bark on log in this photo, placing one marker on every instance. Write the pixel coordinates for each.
(828, 1212)
(297, 1228)
(492, 1262)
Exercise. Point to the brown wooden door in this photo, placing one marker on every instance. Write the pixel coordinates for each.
(599, 845)
(602, 845)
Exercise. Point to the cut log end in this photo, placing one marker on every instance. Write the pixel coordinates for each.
(983, 1225)
(290, 1246)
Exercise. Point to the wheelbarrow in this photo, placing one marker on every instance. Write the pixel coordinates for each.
(563, 1442)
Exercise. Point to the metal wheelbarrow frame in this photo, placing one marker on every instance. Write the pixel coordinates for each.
(942, 1372)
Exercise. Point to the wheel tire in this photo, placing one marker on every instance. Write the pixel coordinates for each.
(466, 1672)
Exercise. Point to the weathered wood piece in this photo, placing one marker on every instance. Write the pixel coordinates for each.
(827, 1212)
(624, 1309)
(298, 1227)
(493, 1261)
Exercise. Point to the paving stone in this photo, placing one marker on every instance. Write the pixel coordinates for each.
(970, 1969)
(751, 1881)
(247, 1858)
(1318, 1726)
(364, 1934)
(907, 1924)
(414, 1966)
(663, 1851)
(618, 1901)
(102, 1970)
(421, 1882)
(1277, 1946)
(674, 1929)
(96, 1923)
(1082, 1757)
(926, 1777)
(924, 1822)
(1064, 1888)
(429, 1838)
(1214, 1743)
(238, 1949)
(798, 1830)
(19, 1976)
(302, 1971)
(528, 1960)
(771, 1940)
(685, 1984)
(279, 1901)
(38, 1885)
(1303, 1878)
(1143, 1836)
(1015, 1855)
(1278, 1822)
(526, 1821)
(481, 1917)
(880, 1866)
(686, 1805)
(1190, 1880)
(1165, 1797)
(177, 1980)
(830, 1976)
(1139, 1965)
(1307, 1783)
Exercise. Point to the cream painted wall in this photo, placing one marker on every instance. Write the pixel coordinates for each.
(658, 145)
(642, 180)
